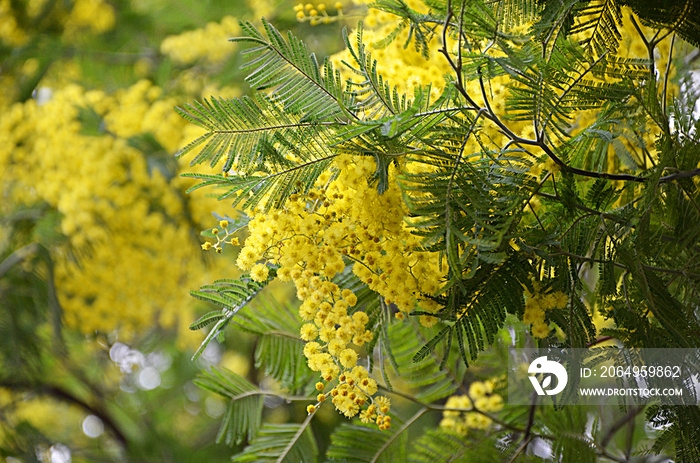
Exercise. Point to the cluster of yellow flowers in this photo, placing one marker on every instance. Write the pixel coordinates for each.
(310, 239)
(537, 304)
(208, 43)
(97, 16)
(317, 14)
(315, 232)
(315, 235)
(116, 207)
(10, 33)
(404, 67)
(337, 363)
(226, 236)
(93, 16)
(462, 416)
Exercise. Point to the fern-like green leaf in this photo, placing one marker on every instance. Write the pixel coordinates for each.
(423, 370)
(599, 21)
(279, 352)
(357, 443)
(293, 76)
(442, 446)
(270, 152)
(231, 295)
(571, 442)
(242, 418)
(374, 95)
(281, 443)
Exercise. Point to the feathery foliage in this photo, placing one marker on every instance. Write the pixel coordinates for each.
(243, 413)
(231, 295)
(553, 169)
(363, 444)
(281, 443)
(279, 352)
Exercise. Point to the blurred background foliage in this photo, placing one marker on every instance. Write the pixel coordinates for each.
(99, 244)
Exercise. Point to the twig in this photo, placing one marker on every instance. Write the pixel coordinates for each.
(616, 426)
(668, 68)
(523, 445)
(62, 394)
(540, 142)
(294, 439)
(531, 415)
(600, 340)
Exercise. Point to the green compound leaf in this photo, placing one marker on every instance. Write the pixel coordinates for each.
(281, 443)
(360, 443)
(242, 418)
(231, 295)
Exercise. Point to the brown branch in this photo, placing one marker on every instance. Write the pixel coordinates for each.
(65, 396)
(600, 340)
(619, 424)
(539, 142)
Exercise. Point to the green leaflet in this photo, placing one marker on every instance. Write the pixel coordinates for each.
(243, 414)
(290, 443)
(359, 443)
(231, 295)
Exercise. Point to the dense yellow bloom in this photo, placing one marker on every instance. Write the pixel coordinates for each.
(309, 332)
(115, 271)
(96, 15)
(461, 418)
(209, 43)
(537, 303)
(10, 32)
(316, 235)
(259, 272)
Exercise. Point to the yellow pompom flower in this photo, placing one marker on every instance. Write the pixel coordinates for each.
(259, 272)
(348, 358)
(540, 330)
(309, 332)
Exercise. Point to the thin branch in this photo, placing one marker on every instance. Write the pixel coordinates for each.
(438, 111)
(440, 408)
(677, 175)
(523, 445)
(66, 396)
(566, 92)
(539, 142)
(273, 127)
(562, 252)
(668, 69)
(531, 416)
(616, 426)
(289, 398)
(456, 67)
(294, 439)
(17, 257)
